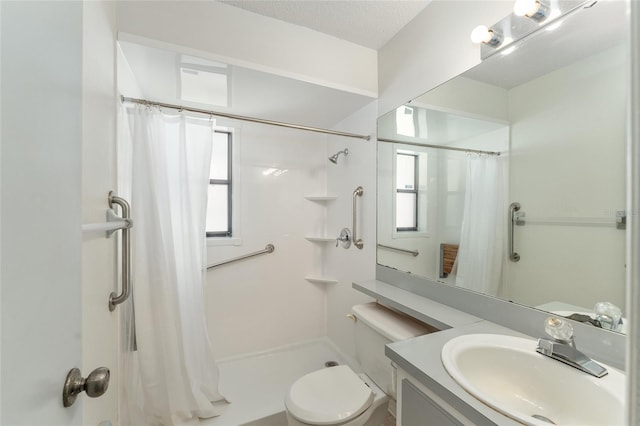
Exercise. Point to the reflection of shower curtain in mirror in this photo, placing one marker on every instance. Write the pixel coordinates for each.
(479, 263)
(165, 167)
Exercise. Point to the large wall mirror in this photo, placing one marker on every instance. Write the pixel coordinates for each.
(510, 179)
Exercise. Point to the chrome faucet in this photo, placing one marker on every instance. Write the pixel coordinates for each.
(562, 347)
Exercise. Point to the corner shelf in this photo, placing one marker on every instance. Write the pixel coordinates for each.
(321, 198)
(319, 280)
(320, 239)
(323, 201)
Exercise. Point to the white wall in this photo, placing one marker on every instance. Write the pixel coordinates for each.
(358, 169)
(566, 158)
(41, 209)
(432, 48)
(469, 97)
(98, 178)
(264, 302)
(236, 36)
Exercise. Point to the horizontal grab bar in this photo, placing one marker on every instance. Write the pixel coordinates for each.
(570, 221)
(413, 253)
(269, 248)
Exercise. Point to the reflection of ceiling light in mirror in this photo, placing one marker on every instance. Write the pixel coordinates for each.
(555, 13)
(534, 9)
(404, 121)
(274, 172)
(553, 26)
(508, 50)
(489, 36)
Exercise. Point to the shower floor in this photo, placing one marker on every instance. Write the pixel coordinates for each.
(256, 385)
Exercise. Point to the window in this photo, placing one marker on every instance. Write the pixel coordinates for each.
(406, 192)
(219, 207)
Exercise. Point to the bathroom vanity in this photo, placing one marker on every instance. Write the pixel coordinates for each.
(426, 393)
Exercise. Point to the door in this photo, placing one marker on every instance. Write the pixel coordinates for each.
(40, 188)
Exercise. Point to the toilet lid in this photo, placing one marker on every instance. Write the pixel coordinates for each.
(328, 396)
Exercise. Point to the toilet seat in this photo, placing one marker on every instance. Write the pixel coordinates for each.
(328, 396)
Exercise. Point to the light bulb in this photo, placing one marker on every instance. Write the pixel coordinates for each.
(480, 34)
(525, 7)
(537, 10)
(489, 36)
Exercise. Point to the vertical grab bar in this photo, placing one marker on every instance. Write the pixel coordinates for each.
(513, 208)
(357, 242)
(115, 299)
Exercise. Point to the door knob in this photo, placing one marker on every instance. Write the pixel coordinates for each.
(95, 384)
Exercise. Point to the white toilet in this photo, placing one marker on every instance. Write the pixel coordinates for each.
(337, 395)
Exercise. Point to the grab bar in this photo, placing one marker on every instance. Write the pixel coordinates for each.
(413, 253)
(357, 242)
(269, 248)
(115, 299)
(619, 222)
(513, 208)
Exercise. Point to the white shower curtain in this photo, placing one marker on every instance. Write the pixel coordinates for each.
(169, 172)
(482, 241)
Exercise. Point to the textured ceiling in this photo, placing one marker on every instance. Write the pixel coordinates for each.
(369, 23)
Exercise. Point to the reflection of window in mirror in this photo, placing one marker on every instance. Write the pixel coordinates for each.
(406, 192)
(410, 192)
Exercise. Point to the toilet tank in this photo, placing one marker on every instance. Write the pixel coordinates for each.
(375, 327)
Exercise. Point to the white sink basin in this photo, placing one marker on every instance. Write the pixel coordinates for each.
(507, 374)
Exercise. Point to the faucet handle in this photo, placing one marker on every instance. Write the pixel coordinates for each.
(344, 238)
(608, 314)
(559, 329)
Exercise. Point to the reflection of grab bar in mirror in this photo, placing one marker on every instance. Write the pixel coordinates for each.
(356, 242)
(619, 222)
(269, 248)
(513, 218)
(413, 253)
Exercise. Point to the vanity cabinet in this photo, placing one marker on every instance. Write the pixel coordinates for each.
(419, 410)
(420, 406)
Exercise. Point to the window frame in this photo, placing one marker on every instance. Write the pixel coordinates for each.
(415, 191)
(229, 183)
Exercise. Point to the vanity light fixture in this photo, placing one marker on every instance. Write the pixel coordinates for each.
(488, 36)
(533, 9)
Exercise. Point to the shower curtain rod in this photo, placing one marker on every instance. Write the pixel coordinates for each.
(449, 148)
(245, 118)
